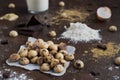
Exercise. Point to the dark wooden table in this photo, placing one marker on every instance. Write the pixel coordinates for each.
(92, 69)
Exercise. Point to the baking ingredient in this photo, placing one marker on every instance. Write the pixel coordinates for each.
(80, 32)
(113, 28)
(111, 50)
(13, 33)
(45, 67)
(78, 64)
(11, 5)
(104, 13)
(14, 57)
(52, 33)
(58, 68)
(71, 15)
(61, 3)
(10, 17)
(117, 61)
(24, 61)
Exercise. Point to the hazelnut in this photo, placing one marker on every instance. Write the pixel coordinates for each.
(117, 61)
(13, 33)
(64, 52)
(34, 60)
(53, 52)
(58, 68)
(44, 52)
(11, 5)
(45, 67)
(14, 57)
(54, 62)
(63, 62)
(59, 56)
(44, 45)
(40, 60)
(24, 61)
(113, 28)
(32, 53)
(62, 46)
(52, 33)
(23, 52)
(78, 64)
(61, 3)
(69, 57)
(48, 58)
(53, 47)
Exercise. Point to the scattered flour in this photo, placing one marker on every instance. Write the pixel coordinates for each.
(80, 32)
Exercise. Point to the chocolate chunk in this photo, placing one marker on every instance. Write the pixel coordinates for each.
(102, 46)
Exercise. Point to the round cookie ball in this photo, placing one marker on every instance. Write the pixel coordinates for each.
(63, 62)
(24, 61)
(44, 52)
(23, 52)
(53, 52)
(54, 62)
(113, 28)
(34, 60)
(50, 42)
(58, 68)
(13, 33)
(52, 33)
(78, 64)
(43, 45)
(32, 53)
(117, 61)
(69, 57)
(40, 60)
(29, 44)
(11, 5)
(48, 58)
(61, 3)
(14, 57)
(45, 67)
(53, 47)
(64, 52)
(59, 56)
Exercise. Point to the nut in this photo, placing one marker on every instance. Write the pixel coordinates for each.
(11, 5)
(32, 53)
(34, 60)
(45, 67)
(23, 52)
(78, 64)
(117, 61)
(61, 3)
(113, 28)
(59, 56)
(14, 57)
(40, 60)
(58, 68)
(52, 33)
(44, 52)
(13, 33)
(54, 62)
(24, 61)
(69, 57)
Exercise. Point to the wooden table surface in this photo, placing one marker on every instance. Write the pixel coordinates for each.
(92, 70)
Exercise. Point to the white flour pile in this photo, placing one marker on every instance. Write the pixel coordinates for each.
(80, 32)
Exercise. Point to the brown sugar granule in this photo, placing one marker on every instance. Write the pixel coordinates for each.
(111, 50)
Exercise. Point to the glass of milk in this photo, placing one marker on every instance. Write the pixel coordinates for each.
(36, 6)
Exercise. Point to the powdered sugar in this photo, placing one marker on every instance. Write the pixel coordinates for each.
(80, 32)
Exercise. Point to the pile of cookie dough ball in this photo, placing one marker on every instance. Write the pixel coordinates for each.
(48, 55)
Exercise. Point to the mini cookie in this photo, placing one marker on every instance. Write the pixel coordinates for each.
(54, 62)
(64, 52)
(44, 45)
(14, 57)
(40, 60)
(13, 33)
(69, 57)
(78, 64)
(61, 3)
(23, 52)
(52, 33)
(11, 5)
(53, 52)
(63, 62)
(45, 67)
(44, 52)
(32, 53)
(113, 28)
(58, 68)
(34, 60)
(48, 58)
(24, 61)
(50, 42)
(62, 46)
(59, 56)
(53, 47)
(29, 44)
(38, 43)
